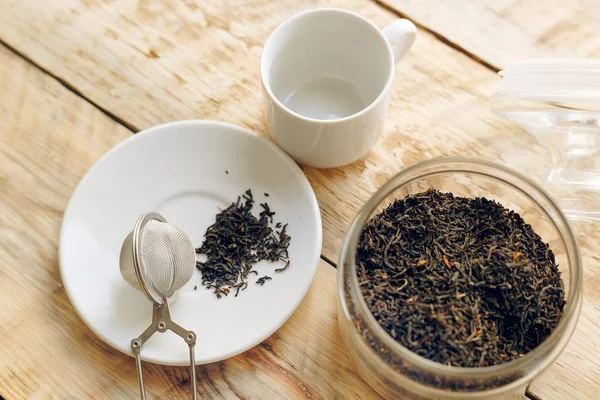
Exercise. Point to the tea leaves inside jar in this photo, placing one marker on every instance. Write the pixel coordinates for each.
(460, 281)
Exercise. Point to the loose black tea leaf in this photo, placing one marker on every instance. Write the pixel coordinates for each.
(267, 212)
(463, 282)
(261, 281)
(266, 194)
(237, 241)
(287, 264)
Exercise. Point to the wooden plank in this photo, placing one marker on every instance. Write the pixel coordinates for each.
(498, 31)
(50, 137)
(149, 62)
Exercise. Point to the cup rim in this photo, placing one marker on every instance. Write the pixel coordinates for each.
(478, 166)
(267, 86)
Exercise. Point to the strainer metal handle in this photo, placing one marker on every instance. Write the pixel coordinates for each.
(154, 244)
(161, 322)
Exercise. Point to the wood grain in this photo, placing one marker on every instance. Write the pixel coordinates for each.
(148, 62)
(50, 137)
(498, 31)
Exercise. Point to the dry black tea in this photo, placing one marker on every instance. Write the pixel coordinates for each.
(460, 281)
(238, 240)
(261, 281)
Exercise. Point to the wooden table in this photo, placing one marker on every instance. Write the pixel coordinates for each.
(79, 76)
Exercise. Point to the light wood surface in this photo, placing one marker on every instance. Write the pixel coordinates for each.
(148, 62)
(497, 31)
(50, 138)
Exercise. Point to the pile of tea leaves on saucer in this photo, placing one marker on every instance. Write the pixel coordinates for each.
(461, 281)
(236, 242)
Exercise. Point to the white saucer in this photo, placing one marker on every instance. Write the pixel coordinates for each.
(185, 171)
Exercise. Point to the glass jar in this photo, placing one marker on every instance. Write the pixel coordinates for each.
(396, 372)
(558, 101)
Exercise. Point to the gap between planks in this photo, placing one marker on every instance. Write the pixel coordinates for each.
(70, 88)
(531, 396)
(439, 37)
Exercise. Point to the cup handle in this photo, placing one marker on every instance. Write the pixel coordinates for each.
(401, 35)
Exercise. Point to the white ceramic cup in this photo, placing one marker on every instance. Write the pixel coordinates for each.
(326, 76)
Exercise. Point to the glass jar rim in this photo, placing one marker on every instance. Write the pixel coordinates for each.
(514, 180)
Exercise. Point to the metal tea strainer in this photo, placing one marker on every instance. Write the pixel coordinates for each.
(158, 258)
